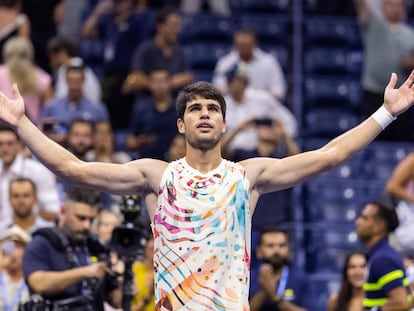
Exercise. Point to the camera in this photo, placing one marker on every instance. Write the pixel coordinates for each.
(263, 121)
(129, 239)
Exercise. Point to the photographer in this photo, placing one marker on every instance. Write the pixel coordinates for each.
(71, 276)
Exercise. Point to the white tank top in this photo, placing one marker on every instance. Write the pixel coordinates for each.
(202, 229)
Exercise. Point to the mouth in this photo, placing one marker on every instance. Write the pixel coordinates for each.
(204, 126)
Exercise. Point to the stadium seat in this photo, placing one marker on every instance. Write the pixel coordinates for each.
(327, 247)
(207, 28)
(204, 56)
(260, 6)
(331, 91)
(382, 157)
(332, 31)
(269, 29)
(329, 122)
(332, 60)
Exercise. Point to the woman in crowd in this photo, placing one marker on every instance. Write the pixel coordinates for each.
(351, 293)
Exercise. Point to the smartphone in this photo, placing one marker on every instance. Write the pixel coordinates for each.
(263, 121)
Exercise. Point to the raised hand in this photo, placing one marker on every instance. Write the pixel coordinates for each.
(399, 100)
(11, 109)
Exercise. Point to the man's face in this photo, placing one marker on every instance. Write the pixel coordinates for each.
(107, 224)
(274, 249)
(77, 219)
(171, 29)
(12, 252)
(159, 84)
(75, 79)
(80, 138)
(9, 147)
(393, 10)
(367, 222)
(22, 198)
(244, 43)
(203, 123)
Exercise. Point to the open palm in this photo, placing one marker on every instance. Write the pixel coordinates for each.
(399, 100)
(11, 109)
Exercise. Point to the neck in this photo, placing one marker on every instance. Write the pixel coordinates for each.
(162, 103)
(15, 274)
(75, 99)
(204, 161)
(162, 43)
(358, 292)
(24, 222)
(374, 240)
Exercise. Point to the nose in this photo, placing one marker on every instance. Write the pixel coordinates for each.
(204, 112)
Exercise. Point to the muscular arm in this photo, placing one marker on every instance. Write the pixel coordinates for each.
(397, 300)
(403, 174)
(268, 175)
(52, 282)
(363, 11)
(140, 176)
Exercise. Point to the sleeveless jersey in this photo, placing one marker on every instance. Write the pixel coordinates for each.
(202, 229)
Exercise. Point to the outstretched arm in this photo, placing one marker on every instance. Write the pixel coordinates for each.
(137, 176)
(271, 174)
(402, 175)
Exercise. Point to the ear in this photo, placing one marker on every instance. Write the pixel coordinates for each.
(259, 254)
(180, 126)
(224, 127)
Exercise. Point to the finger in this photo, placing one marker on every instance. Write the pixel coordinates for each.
(393, 81)
(16, 92)
(410, 79)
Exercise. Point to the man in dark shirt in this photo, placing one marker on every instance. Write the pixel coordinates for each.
(56, 274)
(386, 287)
(276, 285)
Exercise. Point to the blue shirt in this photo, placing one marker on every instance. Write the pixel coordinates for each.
(146, 119)
(40, 255)
(385, 273)
(296, 290)
(63, 112)
(121, 39)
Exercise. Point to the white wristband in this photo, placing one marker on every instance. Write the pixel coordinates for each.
(383, 117)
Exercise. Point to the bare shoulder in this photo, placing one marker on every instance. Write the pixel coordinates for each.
(255, 166)
(151, 170)
(332, 301)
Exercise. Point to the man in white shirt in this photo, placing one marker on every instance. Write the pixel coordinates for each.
(14, 165)
(246, 103)
(263, 69)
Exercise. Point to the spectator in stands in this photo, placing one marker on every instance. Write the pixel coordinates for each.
(13, 22)
(272, 141)
(62, 53)
(70, 25)
(106, 221)
(44, 17)
(176, 150)
(351, 294)
(277, 285)
(153, 121)
(386, 287)
(388, 47)
(263, 69)
(121, 28)
(58, 113)
(36, 84)
(400, 186)
(104, 146)
(103, 150)
(143, 271)
(163, 51)
(23, 199)
(15, 165)
(245, 103)
(12, 283)
(79, 138)
(218, 7)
